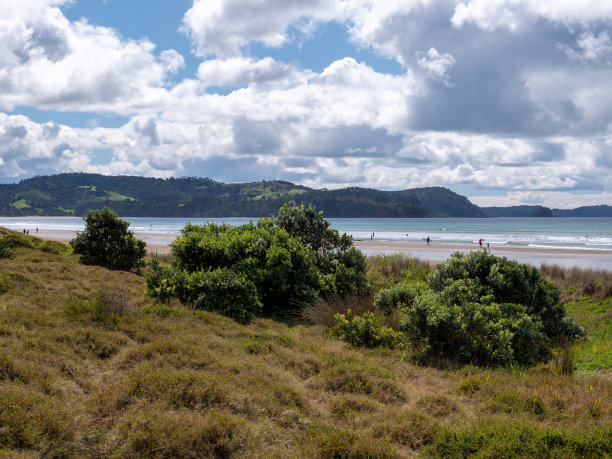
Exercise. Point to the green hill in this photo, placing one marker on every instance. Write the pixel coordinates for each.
(75, 194)
(517, 211)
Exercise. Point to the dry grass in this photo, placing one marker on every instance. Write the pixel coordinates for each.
(323, 310)
(157, 381)
(576, 282)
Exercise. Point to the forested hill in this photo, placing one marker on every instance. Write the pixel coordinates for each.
(540, 211)
(74, 194)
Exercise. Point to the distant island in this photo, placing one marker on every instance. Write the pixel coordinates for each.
(73, 194)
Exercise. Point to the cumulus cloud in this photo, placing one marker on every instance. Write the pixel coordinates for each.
(223, 27)
(512, 14)
(590, 46)
(49, 62)
(435, 64)
(478, 103)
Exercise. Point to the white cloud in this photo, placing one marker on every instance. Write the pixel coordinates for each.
(590, 46)
(223, 27)
(512, 14)
(551, 199)
(52, 63)
(435, 64)
(239, 71)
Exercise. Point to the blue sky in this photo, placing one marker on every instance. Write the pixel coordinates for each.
(505, 101)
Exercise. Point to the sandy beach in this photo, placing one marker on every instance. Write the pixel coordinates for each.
(587, 259)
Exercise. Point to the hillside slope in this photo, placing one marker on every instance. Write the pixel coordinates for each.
(75, 194)
(80, 380)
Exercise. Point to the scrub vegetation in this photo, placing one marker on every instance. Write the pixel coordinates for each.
(91, 366)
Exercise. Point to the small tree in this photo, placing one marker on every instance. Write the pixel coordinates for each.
(342, 267)
(107, 242)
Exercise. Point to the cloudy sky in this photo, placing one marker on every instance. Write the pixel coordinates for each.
(505, 101)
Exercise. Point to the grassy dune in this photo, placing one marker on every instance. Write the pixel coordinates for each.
(90, 367)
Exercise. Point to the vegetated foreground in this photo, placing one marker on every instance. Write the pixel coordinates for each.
(90, 366)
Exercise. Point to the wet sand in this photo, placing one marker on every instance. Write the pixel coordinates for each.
(586, 259)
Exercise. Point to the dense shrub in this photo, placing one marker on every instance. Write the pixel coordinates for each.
(400, 296)
(508, 282)
(366, 331)
(280, 267)
(265, 268)
(224, 291)
(342, 267)
(451, 324)
(107, 242)
(480, 309)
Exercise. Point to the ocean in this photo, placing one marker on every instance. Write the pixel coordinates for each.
(558, 233)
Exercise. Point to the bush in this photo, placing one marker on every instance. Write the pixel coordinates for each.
(480, 309)
(452, 325)
(280, 267)
(366, 331)
(342, 267)
(400, 297)
(508, 282)
(224, 291)
(106, 242)
(269, 269)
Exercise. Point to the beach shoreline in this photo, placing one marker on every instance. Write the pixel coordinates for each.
(585, 259)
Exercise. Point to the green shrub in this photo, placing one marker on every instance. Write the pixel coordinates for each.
(400, 296)
(106, 242)
(224, 291)
(480, 309)
(508, 282)
(342, 267)
(280, 267)
(452, 324)
(260, 268)
(366, 331)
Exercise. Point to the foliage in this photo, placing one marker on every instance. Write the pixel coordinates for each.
(281, 268)
(400, 296)
(453, 324)
(221, 290)
(267, 269)
(310, 226)
(106, 242)
(342, 267)
(480, 309)
(366, 331)
(508, 282)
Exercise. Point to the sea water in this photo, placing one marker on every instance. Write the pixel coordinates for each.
(558, 233)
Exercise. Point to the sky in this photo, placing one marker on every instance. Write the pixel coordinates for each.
(507, 102)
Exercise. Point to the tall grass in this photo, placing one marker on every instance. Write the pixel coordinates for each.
(323, 310)
(577, 282)
(6, 248)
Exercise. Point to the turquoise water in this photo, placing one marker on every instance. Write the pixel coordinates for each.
(564, 233)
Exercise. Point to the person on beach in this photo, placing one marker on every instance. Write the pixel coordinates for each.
(428, 240)
(480, 243)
